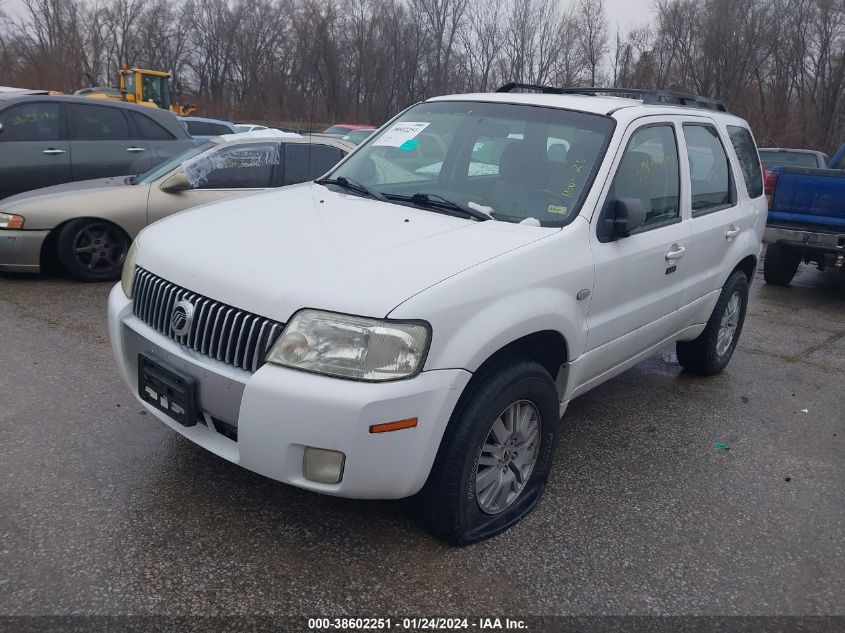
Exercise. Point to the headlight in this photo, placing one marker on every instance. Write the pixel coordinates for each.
(11, 221)
(128, 274)
(351, 347)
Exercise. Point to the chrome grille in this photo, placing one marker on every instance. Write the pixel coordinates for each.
(230, 335)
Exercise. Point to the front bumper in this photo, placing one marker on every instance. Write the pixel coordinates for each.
(279, 411)
(20, 250)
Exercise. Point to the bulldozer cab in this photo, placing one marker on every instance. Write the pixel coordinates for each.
(146, 86)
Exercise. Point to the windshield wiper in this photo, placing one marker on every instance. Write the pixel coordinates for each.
(352, 185)
(131, 180)
(439, 202)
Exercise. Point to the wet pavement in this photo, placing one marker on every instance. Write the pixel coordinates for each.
(106, 511)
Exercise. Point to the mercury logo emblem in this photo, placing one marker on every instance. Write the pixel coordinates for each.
(181, 318)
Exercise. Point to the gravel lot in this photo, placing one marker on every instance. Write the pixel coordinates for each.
(107, 511)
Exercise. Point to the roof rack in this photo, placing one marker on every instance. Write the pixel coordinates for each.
(649, 97)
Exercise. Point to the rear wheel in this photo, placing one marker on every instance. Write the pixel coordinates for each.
(712, 350)
(92, 250)
(495, 456)
(780, 264)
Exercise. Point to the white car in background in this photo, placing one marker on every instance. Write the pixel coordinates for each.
(395, 328)
(249, 127)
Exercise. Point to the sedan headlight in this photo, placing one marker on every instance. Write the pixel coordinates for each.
(351, 347)
(11, 221)
(128, 274)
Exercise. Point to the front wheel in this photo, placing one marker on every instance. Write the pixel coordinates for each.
(712, 350)
(495, 456)
(92, 250)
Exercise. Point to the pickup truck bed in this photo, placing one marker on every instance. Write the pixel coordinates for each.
(806, 219)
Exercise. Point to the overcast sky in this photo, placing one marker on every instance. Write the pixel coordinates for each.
(628, 13)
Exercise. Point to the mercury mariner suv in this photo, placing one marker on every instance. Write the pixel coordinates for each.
(416, 321)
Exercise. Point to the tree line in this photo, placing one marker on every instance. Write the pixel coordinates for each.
(778, 63)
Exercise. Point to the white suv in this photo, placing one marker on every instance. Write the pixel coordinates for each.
(417, 321)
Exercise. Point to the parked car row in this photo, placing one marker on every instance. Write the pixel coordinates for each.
(411, 317)
(81, 179)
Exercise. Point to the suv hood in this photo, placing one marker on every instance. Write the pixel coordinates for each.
(276, 252)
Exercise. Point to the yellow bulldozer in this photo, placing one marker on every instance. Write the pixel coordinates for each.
(142, 86)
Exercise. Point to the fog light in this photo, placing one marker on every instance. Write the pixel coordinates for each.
(323, 466)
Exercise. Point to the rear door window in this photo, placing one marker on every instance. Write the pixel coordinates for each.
(710, 174)
(148, 129)
(30, 122)
(749, 161)
(307, 161)
(91, 122)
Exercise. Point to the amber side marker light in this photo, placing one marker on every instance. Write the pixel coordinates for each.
(394, 426)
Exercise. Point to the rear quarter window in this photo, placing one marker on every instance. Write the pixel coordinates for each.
(749, 161)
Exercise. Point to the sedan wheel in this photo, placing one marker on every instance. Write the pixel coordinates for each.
(92, 250)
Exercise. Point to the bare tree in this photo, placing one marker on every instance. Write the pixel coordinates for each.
(592, 35)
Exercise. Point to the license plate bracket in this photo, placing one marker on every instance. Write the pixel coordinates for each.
(167, 389)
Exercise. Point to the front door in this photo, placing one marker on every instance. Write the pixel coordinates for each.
(32, 151)
(638, 279)
(225, 172)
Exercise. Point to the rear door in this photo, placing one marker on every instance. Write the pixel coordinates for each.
(639, 279)
(101, 142)
(33, 151)
(229, 171)
(720, 215)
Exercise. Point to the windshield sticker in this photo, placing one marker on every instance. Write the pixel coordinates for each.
(559, 210)
(400, 133)
(408, 146)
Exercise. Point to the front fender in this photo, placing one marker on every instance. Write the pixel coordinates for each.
(476, 313)
(504, 321)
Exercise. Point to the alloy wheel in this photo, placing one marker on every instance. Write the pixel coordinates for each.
(507, 457)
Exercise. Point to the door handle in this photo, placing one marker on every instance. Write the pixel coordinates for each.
(732, 232)
(676, 253)
(135, 149)
(52, 151)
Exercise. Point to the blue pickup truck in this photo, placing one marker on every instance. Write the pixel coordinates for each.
(806, 219)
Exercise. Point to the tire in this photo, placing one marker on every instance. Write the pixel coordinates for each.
(780, 264)
(92, 250)
(454, 507)
(707, 354)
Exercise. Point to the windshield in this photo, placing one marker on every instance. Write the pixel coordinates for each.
(512, 161)
(157, 172)
(788, 159)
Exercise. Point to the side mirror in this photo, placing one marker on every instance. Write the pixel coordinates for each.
(628, 215)
(177, 182)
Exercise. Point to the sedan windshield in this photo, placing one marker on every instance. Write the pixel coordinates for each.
(510, 162)
(159, 170)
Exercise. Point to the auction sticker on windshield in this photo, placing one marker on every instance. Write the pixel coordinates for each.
(400, 133)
